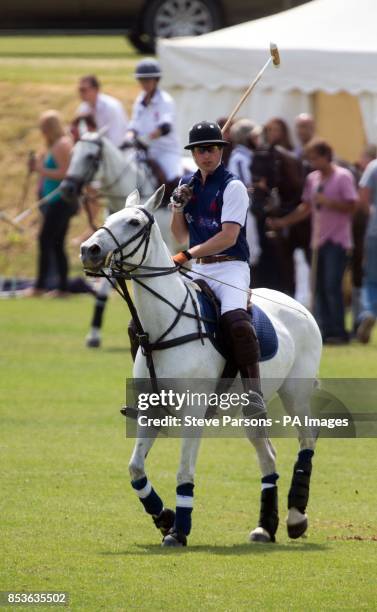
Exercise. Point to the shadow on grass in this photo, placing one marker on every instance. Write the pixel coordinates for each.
(234, 549)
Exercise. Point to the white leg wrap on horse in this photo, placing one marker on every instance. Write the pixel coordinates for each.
(145, 491)
(185, 501)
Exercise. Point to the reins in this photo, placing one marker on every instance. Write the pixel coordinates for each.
(121, 275)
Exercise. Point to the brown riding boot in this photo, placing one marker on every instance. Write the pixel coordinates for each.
(243, 343)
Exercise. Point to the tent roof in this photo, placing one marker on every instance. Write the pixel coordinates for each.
(327, 45)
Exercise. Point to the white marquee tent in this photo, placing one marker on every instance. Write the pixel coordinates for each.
(325, 46)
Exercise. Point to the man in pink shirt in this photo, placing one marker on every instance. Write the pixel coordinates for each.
(329, 196)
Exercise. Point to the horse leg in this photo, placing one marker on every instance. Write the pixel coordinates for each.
(177, 536)
(93, 339)
(295, 395)
(269, 513)
(163, 518)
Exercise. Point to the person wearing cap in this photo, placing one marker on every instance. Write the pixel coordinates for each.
(153, 121)
(209, 211)
(106, 110)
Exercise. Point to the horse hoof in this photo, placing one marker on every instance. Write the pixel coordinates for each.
(165, 521)
(174, 540)
(260, 535)
(297, 523)
(93, 342)
(297, 530)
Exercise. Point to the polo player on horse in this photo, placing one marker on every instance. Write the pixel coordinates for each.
(209, 212)
(152, 126)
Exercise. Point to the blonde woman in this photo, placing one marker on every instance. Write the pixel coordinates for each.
(52, 166)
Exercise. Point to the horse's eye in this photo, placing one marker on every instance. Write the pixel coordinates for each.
(134, 222)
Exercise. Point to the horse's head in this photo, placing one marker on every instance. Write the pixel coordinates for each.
(84, 165)
(123, 242)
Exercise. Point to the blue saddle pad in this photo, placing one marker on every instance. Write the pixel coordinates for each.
(268, 340)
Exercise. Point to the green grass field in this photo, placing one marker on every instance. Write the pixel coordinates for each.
(70, 520)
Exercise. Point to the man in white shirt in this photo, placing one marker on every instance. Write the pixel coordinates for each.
(153, 120)
(107, 111)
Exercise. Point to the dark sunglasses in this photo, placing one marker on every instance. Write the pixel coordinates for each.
(206, 149)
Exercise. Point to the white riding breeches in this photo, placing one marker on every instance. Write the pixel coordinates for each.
(236, 274)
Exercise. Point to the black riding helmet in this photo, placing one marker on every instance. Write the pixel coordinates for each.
(205, 133)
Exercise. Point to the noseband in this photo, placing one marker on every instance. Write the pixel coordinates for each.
(116, 258)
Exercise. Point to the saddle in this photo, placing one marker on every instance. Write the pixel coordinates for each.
(210, 311)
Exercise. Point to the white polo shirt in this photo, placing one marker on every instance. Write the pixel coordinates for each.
(165, 150)
(109, 112)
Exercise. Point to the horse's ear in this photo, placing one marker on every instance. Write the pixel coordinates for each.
(133, 199)
(155, 200)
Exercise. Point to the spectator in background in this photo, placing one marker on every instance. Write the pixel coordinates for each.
(52, 167)
(368, 202)
(304, 131)
(107, 111)
(276, 132)
(329, 197)
(277, 189)
(244, 136)
(359, 226)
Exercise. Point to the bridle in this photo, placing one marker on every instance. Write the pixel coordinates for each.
(92, 170)
(115, 262)
(116, 259)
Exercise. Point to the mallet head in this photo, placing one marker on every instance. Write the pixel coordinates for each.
(275, 54)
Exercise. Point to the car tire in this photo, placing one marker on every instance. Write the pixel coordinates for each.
(169, 18)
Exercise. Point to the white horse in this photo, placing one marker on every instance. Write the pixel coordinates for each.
(131, 241)
(94, 157)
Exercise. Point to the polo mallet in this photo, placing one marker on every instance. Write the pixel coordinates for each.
(275, 59)
(5, 217)
(25, 213)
